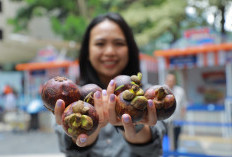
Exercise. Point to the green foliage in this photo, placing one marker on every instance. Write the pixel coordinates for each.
(67, 18)
(72, 28)
(151, 21)
(155, 23)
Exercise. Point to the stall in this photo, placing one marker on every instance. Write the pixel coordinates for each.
(205, 72)
(47, 64)
(149, 69)
(35, 74)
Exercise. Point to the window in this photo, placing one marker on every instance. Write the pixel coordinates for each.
(0, 6)
(1, 34)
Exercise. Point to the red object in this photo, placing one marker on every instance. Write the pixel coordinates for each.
(7, 89)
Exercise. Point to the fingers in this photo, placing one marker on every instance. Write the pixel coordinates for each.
(99, 106)
(111, 87)
(82, 140)
(98, 103)
(111, 109)
(104, 103)
(128, 126)
(112, 99)
(152, 117)
(59, 109)
(104, 95)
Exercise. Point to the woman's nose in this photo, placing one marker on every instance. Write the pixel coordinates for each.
(109, 50)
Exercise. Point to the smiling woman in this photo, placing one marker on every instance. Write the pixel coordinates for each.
(108, 50)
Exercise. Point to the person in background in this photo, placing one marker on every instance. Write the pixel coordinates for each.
(9, 106)
(181, 102)
(9, 99)
(108, 50)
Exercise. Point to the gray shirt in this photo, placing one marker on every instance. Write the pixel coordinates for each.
(111, 143)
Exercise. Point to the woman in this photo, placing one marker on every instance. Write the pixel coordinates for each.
(108, 50)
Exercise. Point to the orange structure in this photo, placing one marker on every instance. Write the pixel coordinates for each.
(45, 65)
(205, 72)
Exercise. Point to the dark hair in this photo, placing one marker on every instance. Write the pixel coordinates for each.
(87, 73)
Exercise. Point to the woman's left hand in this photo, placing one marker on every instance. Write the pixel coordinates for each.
(130, 134)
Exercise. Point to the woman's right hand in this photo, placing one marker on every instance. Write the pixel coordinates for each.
(83, 139)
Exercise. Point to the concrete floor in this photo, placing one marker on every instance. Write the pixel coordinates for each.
(45, 144)
(25, 144)
(207, 145)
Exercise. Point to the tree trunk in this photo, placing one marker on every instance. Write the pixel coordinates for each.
(222, 10)
(83, 9)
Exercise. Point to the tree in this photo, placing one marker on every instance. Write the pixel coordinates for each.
(69, 18)
(155, 19)
(217, 8)
(151, 20)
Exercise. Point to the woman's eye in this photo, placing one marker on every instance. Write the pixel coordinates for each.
(120, 44)
(99, 44)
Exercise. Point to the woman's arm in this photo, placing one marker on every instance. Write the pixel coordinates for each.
(154, 146)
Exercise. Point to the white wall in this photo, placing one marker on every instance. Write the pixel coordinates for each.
(9, 9)
(38, 27)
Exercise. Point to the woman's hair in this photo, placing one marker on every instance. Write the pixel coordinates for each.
(87, 73)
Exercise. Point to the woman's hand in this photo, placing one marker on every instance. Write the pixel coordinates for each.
(83, 139)
(130, 134)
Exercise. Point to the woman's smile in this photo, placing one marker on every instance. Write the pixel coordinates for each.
(108, 49)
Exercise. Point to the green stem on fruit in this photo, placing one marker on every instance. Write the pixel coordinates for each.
(119, 87)
(139, 102)
(73, 120)
(86, 122)
(140, 92)
(135, 79)
(133, 83)
(128, 95)
(79, 107)
(140, 75)
(89, 97)
(161, 93)
(135, 88)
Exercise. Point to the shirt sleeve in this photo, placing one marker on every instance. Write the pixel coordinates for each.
(69, 148)
(154, 147)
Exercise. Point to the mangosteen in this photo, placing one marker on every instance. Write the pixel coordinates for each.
(79, 118)
(59, 88)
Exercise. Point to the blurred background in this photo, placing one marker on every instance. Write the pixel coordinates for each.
(40, 39)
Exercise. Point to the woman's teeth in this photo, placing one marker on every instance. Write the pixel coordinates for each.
(109, 62)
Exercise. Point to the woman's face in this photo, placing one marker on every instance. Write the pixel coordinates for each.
(108, 50)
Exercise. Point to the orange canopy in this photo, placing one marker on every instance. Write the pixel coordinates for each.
(44, 65)
(194, 50)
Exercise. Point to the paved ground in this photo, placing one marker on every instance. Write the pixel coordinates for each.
(208, 145)
(45, 144)
(29, 144)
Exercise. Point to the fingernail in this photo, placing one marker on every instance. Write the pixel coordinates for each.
(112, 97)
(59, 103)
(104, 92)
(112, 82)
(150, 103)
(82, 140)
(126, 118)
(98, 94)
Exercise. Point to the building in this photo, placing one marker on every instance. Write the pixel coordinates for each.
(17, 48)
